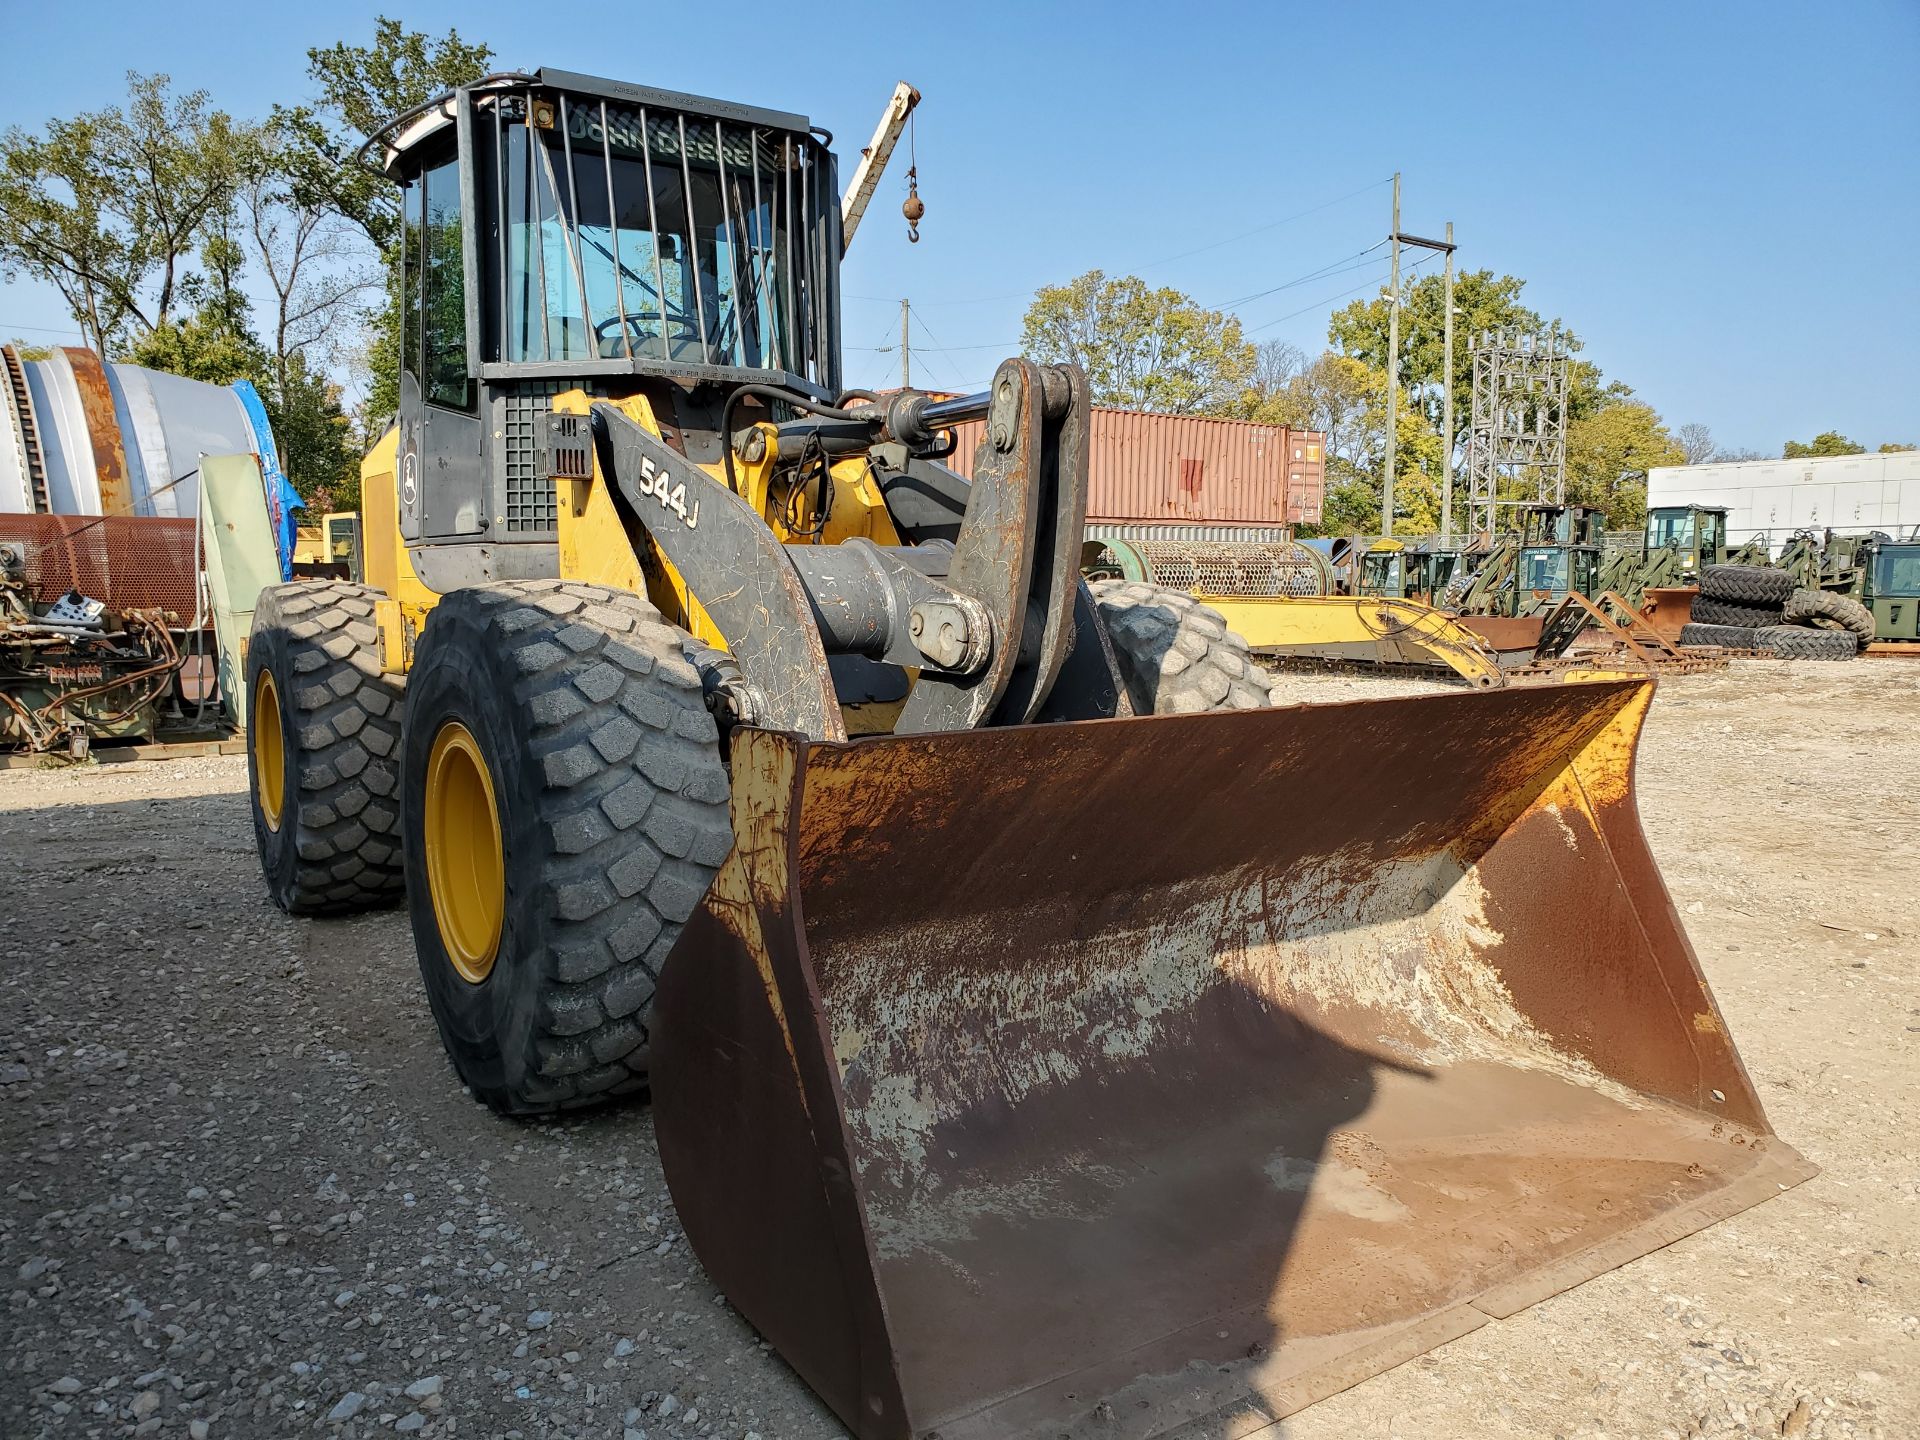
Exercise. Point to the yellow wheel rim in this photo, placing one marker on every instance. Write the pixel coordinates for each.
(269, 750)
(465, 873)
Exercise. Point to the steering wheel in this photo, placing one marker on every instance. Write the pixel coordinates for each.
(685, 330)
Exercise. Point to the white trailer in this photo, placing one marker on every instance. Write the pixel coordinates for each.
(1771, 499)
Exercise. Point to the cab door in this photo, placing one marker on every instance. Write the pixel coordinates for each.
(442, 479)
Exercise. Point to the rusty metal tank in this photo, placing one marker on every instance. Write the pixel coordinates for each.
(82, 436)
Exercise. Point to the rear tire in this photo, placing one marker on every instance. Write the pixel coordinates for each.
(1795, 642)
(323, 750)
(1746, 584)
(1721, 637)
(581, 721)
(1708, 611)
(1177, 656)
(1829, 610)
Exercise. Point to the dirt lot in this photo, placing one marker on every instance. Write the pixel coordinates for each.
(241, 1194)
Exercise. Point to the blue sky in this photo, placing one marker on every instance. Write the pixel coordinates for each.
(1720, 198)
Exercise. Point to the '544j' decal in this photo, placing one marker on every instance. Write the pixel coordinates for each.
(657, 482)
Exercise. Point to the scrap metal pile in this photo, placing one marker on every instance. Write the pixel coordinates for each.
(106, 632)
(95, 626)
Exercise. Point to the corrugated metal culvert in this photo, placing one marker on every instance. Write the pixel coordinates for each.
(1190, 534)
(83, 437)
(1192, 470)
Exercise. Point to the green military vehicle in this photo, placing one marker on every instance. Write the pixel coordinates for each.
(1418, 570)
(1890, 587)
(1694, 535)
(1559, 552)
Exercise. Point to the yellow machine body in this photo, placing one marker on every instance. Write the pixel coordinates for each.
(596, 545)
(1368, 628)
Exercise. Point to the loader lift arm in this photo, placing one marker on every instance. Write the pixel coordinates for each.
(988, 623)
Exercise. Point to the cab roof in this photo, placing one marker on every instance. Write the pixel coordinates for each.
(408, 131)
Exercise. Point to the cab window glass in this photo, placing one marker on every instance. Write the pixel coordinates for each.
(444, 372)
(410, 279)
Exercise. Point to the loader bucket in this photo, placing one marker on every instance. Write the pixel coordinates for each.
(1137, 1076)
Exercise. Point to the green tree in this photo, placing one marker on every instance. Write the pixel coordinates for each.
(1827, 442)
(1351, 506)
(1894, 448)
(358, 88)
(1345, 400)
(1485, 302)
(108, 207)
(316, 440)
(1333, 394)
(1609, 453)
(203, 346)
(1142, 349)
(28, 350)
(214, 341)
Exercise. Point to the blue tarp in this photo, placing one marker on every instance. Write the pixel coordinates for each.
(282, 498)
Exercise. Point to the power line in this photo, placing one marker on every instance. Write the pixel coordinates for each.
(1330, 269)
(41, 329)
(1333, 267)
(937, 346)
(1308, 310)
(1272, 225)
(942, 349)
(1164, 260)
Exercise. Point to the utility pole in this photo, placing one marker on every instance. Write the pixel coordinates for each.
(1393, 367)
(906, 358)
(1393, 370)
(1446, 409)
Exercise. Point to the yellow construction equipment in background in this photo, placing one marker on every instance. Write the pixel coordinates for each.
(1046, 1036)
(331, 548)
(1279, 597)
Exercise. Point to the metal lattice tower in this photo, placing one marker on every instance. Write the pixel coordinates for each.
(1517, 446)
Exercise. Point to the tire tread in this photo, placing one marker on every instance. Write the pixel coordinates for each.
(1746, 584)
(1798, 642)
(633, 811)
(1176, 655)
(343, 744)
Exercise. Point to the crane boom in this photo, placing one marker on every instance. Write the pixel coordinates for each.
(873, 160)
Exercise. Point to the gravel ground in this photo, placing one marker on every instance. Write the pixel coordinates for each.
(241, 1194)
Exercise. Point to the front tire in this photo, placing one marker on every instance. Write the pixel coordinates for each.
(564, 810)
(1177, 656)
(323, 750)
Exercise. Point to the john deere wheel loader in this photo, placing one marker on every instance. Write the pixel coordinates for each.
(1023, 1063)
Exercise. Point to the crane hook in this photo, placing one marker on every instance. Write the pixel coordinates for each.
(914, 207)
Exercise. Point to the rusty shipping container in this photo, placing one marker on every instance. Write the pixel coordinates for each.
(1189, 470)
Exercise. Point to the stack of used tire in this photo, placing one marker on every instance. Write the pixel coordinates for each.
(1751, 607)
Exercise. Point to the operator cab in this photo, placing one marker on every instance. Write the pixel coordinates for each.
(1383, 569)
(1559, 552)
(1697, 534)
(561, 231)
(1893, 589)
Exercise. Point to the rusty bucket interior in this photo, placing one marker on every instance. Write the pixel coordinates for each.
(1156, 1076)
